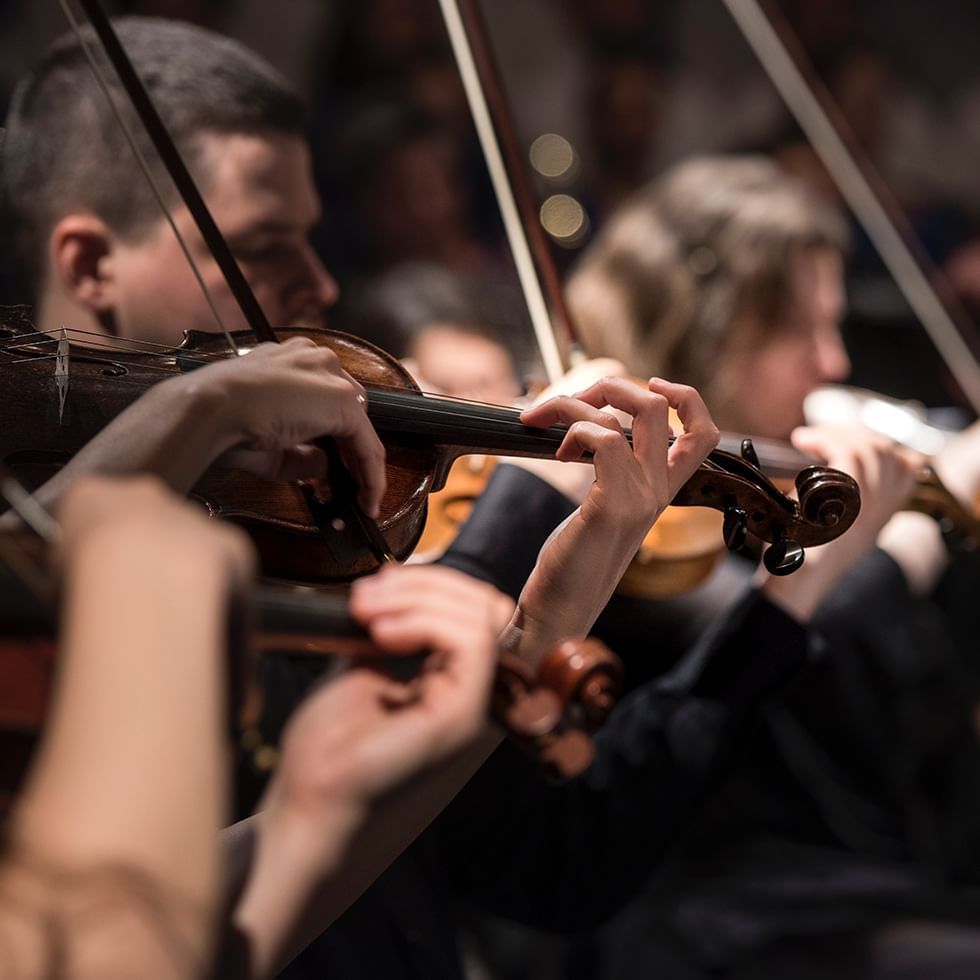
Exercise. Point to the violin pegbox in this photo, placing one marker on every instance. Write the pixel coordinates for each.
(551, 714)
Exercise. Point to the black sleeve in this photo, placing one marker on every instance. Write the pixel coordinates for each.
(566, 856)
(509, 524)
(885, 698)
(871, 606)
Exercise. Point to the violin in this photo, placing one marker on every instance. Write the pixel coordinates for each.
(549, 713)
(62, 394)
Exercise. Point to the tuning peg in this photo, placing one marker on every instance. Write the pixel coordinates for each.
(735, 528)
(569, 755)
(749, 454)
(534, 714)
(783, 557)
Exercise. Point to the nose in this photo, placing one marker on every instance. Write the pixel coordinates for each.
(831, 358)
(313, 289)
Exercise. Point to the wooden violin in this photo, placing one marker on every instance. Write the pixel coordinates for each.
(63, 394)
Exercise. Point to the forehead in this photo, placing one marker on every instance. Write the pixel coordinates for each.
(253, 180)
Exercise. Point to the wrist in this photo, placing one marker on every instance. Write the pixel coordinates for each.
(915, 544)
(299, 849)
(210, 405)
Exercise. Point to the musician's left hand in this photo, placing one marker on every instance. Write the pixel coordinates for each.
(585, 558)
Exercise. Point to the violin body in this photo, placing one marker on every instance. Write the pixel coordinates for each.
(277, 516)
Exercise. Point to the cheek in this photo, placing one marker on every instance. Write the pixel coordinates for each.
(274, 288)
(771, 389)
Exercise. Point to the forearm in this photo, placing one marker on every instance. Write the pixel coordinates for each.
(303, 876)
(579, 570)
(144, 790)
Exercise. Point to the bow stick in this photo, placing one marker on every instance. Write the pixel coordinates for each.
(492, 118)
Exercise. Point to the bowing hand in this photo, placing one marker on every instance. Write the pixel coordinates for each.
(272, 402)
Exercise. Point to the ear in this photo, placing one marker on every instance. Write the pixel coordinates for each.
(80, 255)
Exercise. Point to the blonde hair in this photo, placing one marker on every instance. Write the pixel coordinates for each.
(698, 268)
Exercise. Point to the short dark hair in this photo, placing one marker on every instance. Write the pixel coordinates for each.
(63, 148)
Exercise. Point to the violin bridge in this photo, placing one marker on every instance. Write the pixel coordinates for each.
(62, 376)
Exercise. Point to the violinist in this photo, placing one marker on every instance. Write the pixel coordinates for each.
(91, 245)
(663, 749)
(728, 274)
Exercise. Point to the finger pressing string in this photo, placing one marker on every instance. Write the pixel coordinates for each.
(699, 437)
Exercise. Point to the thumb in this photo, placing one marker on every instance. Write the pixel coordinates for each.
(812, 441)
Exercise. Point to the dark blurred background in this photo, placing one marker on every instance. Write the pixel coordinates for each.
(606, 93)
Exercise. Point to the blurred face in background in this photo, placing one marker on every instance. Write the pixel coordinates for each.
(447, 360)
(803, 351)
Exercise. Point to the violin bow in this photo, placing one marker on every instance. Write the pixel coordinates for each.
(344, 526)
(42, 526)
(493, 120)
(782, 57)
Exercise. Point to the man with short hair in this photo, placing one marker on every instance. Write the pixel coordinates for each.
(91, 244)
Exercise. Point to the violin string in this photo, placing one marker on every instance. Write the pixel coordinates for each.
(160, 369)
(102, 343)
(109, 349)
(481, 418)
(135, 346)
(478, 417)
(772, 456)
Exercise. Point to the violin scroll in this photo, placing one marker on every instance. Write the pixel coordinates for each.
(551, 713)
(828, 498)
(587, 677)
